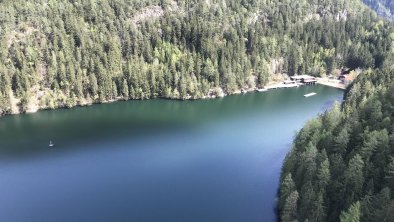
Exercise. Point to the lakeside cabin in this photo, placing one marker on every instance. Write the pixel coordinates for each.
(305, 79)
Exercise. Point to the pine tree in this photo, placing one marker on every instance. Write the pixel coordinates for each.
(286, 189)
(125, 89)
(352, 214)
(289, 211)
(389, 174)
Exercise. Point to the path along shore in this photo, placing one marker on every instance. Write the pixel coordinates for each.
(332, 83)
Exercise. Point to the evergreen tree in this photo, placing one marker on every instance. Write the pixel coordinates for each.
(78, 49)
(342, 162)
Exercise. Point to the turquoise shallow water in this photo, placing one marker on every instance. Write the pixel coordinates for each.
(156, 160)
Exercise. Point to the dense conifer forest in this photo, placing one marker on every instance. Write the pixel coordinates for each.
(71, 52)
(341, 166)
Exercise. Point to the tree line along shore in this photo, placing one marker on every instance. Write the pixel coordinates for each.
(67, 53)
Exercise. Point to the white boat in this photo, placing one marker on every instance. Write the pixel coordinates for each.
(51, 144)
(310, 94)
(261, 90)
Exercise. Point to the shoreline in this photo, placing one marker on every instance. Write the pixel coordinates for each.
(268, 87)
(331, 83)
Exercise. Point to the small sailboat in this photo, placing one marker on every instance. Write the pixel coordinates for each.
(51, 144)
(310, 94)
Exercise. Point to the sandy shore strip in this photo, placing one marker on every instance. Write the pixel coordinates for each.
(332, 83)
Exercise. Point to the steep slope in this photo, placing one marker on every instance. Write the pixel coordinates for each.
(73, 52)
(384, 8)
(341, 166)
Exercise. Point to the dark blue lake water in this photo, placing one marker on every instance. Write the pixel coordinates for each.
(157, 160)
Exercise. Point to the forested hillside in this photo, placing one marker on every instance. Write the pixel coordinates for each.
(384, 8)
(342, 164)
(73, 52)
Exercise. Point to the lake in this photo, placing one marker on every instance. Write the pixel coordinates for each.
(156, 160)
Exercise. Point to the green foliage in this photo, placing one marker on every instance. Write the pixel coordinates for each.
(96, 51)
(289, 210)
(352, 215)
(343, 161)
